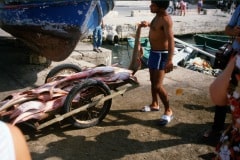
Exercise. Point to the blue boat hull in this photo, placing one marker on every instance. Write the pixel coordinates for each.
(52, 28)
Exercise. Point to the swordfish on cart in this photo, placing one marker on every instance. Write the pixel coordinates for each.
(82, 96)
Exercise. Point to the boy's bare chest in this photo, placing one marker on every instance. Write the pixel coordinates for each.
(157, 24)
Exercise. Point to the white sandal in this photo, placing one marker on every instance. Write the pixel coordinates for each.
(149, 109)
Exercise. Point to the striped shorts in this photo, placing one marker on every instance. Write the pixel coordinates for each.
(157, 60)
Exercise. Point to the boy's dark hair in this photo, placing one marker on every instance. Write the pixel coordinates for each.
(161, 3)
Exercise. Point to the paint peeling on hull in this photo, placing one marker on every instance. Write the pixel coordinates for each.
(52, 28)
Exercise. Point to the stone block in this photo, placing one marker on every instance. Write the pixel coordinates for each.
(104, 57)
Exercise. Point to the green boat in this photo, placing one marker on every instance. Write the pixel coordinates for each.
(146, 46)
(144, 41)
(183, 54)
(211, 40)
(181, 50)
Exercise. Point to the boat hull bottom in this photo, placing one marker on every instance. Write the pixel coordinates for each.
(55, 45)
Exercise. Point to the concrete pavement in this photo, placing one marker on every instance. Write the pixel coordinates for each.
(214, 21)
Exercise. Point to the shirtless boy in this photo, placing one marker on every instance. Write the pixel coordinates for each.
(160, 60)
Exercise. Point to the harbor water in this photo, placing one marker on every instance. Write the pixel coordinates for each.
(121, 53)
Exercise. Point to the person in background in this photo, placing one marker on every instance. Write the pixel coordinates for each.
(97, 37)
(199, 5)
(175, 5)
(160, 59)
(183, 6)
(13, 145)
(232, 29)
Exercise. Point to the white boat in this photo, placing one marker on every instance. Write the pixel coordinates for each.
(110, 34)
(195, 57)
(180, 51)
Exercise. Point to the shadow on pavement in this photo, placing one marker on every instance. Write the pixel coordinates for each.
(15, 70)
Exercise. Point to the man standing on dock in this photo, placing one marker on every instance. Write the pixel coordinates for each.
(97, 37)
(199, 6)
(160, 60)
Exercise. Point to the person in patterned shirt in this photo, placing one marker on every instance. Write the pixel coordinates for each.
(223, 93)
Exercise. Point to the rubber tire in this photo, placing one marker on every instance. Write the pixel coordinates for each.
(56, 70)
(91, 116)
(170, 10)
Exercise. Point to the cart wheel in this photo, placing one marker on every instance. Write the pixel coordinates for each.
(62, 69)
(84, 93)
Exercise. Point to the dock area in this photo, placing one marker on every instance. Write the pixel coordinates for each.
(125, 26)
(214, 20)
(126, 133)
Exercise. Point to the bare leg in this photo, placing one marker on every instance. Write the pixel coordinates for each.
(157, 89)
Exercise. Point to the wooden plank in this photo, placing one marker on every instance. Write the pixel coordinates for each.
(75, 111)
(195, 48)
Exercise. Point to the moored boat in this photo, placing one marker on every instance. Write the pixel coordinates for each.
(144, 41)
(194, 57)
(180, 51)
(52, 28)
(211, 40)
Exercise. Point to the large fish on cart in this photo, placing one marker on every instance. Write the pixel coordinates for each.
(83, 96)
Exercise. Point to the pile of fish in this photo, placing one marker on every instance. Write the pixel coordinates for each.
(38, 103)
